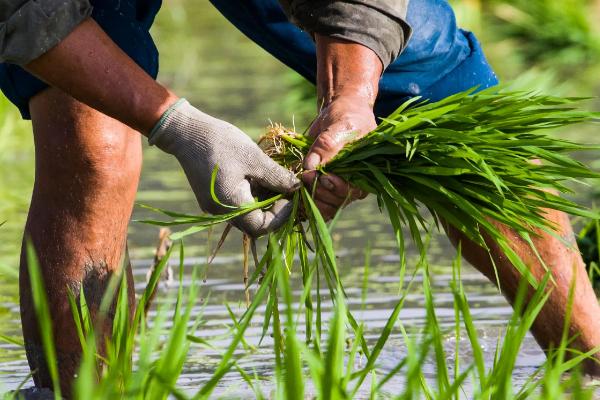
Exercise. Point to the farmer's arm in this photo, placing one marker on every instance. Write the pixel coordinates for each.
(355, 42)
(58, 42)
(90, 67)
(82, 61)
(347, 84)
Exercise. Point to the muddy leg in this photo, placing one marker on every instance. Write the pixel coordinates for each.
(86, 176)
(566, 265)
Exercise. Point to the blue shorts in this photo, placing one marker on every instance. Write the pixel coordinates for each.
(127, 22)
(439, 60)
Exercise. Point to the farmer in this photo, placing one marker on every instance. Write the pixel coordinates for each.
(84, 74)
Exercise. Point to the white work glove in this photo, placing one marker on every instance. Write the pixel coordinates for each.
(201, 142)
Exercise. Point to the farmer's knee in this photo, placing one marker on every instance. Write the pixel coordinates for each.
(74, 141)
(112, 157)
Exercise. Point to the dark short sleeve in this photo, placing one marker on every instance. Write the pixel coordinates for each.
(30, 28)
(377, 24)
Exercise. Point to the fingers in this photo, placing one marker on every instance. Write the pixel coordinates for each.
(337, 185)
(327, 211)
(326, 196)
(273, 176)
(331, 192)
(332, 186)
(260, 222)
(326, 146)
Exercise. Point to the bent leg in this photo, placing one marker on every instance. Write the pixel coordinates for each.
(86, 175)
(566, 266)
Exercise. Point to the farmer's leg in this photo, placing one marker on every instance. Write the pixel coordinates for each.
(86, 175)
(564, 262)
(567, 268)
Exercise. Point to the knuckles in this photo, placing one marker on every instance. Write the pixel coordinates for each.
(327, 142)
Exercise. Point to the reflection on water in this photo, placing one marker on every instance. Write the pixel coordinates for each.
(213, 65)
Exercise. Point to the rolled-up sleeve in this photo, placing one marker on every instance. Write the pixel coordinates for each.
(29, 28)
(377, 24)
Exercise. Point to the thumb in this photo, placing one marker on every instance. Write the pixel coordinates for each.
(325, 147)
(273, 176)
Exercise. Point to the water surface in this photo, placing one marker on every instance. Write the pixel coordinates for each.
(220, 71)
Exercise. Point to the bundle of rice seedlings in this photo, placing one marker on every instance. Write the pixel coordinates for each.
(465, 160)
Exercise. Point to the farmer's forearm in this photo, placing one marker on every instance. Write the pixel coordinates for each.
(88, 66)
(376, 24)
(58, 42)
(347, 84)
(346, 69)
(356, 40)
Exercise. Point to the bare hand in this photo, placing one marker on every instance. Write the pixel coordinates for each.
(343, 120)
(347, 83)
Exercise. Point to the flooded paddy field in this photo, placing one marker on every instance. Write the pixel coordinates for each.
(222, 283)
(235, 80)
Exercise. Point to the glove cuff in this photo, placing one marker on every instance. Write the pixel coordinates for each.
(158, 130)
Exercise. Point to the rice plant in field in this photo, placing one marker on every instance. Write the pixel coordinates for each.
(159, 352)
(338, 364)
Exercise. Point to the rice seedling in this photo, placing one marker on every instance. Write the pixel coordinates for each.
(465, 159)
(334, 373)
(42, 312)
(145, 361)
(159, 352)
(139, 360)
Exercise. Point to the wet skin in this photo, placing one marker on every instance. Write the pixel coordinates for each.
(347, 78)
(92, 69)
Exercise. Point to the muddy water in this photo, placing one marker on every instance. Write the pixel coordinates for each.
(207, 61)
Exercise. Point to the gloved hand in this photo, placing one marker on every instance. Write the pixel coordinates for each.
(201, 142)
